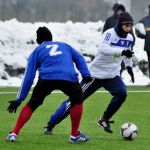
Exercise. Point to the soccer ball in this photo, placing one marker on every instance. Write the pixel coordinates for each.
(129, 131)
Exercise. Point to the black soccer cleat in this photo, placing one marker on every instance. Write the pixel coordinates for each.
(48, 129)
(105, 124)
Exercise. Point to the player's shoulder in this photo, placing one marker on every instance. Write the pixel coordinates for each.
(61, 44)
(110, 33)
(41, 46)
(109, 18)
(51, 43)
(130, 37)
(144, 19)
(109, 30)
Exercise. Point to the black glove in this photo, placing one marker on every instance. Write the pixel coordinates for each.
(87, 79)
(13, 106)
(129, 69)
(127, 53)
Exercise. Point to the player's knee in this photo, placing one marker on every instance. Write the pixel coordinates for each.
(34, 104)
(81, 99)
(77, 100)
(122, 94)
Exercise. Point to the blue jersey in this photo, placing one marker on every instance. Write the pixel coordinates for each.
(54, 61)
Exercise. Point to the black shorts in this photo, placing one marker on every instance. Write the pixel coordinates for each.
(45, 87)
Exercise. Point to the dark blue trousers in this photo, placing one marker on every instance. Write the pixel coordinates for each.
(115, 86)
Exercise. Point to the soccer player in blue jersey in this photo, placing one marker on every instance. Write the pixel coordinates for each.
(55, 63)
(105, 70)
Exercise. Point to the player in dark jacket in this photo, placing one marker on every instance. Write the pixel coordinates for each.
(55, 63)
(112, 21)
(143, 31)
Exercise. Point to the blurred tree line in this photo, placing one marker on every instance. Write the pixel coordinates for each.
(64, 10)
(54, 10)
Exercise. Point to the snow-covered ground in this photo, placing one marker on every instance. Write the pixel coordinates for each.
(17, 41)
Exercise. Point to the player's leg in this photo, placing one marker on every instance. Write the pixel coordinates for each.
(76, 98)
(148, 56)
(74, 91)
(118, 90)
(122, 67)
(59, 115)
(40, 91)
(63, 111)
(24, 116)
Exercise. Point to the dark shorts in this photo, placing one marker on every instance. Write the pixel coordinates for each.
(45, 87)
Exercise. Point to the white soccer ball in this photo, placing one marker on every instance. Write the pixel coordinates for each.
(129, 131)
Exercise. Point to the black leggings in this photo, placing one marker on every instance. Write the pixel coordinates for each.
(45, 87)
(148, 55)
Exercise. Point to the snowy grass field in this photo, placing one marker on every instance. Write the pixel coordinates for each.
(135, 109)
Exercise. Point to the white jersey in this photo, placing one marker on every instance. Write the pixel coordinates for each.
(107, 63)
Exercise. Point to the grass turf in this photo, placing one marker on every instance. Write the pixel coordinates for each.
(135, 109)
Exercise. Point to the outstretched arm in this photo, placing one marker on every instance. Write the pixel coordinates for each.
(26, 84)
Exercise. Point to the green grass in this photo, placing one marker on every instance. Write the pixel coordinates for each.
(135, 109)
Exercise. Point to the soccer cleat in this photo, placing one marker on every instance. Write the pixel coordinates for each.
(81, 138)
(48, 129)
(12, 137)
(105, 124)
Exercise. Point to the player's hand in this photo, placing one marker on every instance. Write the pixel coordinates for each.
(13, 106)
(127, 53)
(87, 79)
(129, 69)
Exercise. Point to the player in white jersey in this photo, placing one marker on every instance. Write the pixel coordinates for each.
(105, 70)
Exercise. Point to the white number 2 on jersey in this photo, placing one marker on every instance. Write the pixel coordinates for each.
(53, 50)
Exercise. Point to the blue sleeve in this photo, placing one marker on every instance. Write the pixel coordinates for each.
(80, 63)
(28, 78)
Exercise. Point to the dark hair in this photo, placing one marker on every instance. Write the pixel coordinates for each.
(43, 34)
(120, 7)
(115, 6)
